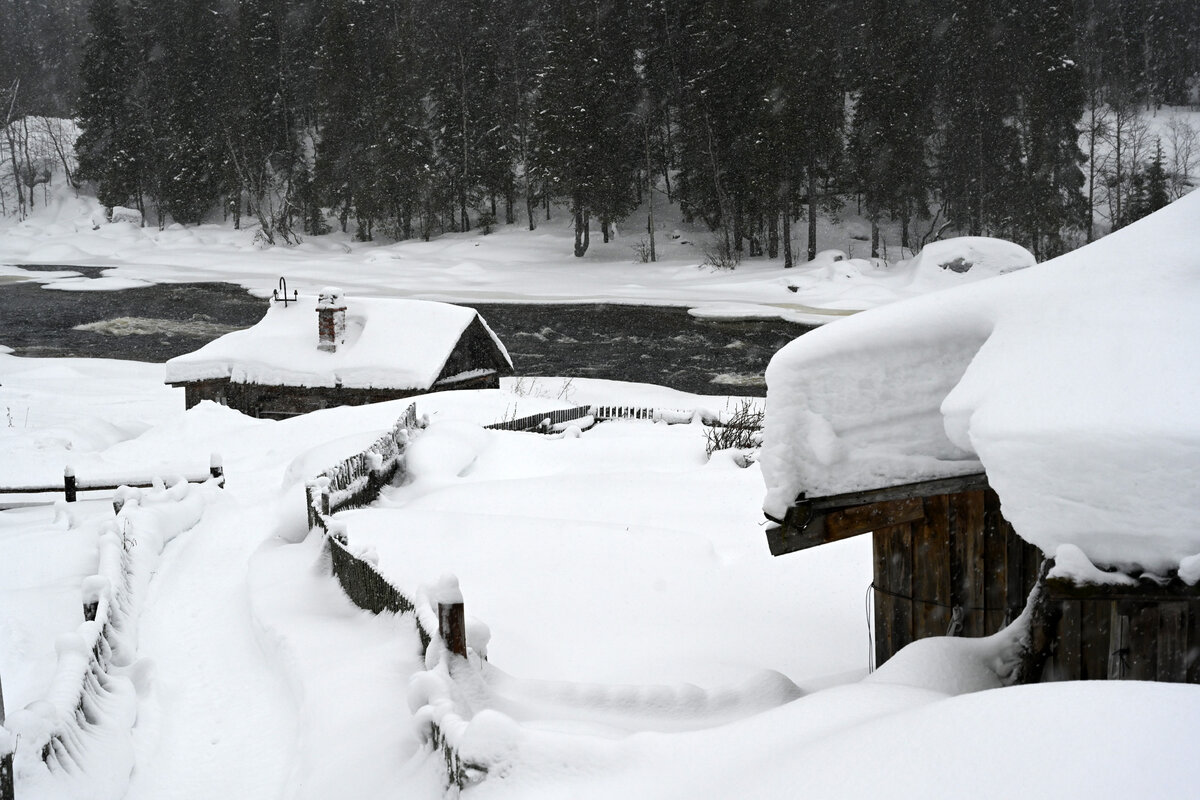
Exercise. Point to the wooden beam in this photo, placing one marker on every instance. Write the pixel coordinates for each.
(907, 491)
(1144, 591)
(841, 524)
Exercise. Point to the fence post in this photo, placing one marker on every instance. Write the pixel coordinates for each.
(217, 469)
(6, 761)
(69, 483)
(452, 627)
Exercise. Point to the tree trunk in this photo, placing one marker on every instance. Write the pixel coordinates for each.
(772, 236)
(1090, 211)
(787, 233)
(582, 230)
(812, 210)
(874, 237)
(650, 197)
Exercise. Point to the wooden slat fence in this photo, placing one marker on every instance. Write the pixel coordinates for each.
(72, 485)
(81, 694)
(546, 422)
(542, 422)
(356, 482)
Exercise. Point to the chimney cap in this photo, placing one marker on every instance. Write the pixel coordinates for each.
(331, 297)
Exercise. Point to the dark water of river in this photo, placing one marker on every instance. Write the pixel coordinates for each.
(649, 344)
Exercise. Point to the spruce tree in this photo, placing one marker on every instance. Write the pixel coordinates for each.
(1049, 188)
(979, 150)
(587, 143)
(183, 104)
(893, 115)
(108, 148)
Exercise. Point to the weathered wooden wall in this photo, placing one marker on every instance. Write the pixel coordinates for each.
(955, 551)
(257, 400)
(1145, 632)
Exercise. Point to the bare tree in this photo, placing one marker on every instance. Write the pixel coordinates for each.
(1127, 140)
(1185, 152)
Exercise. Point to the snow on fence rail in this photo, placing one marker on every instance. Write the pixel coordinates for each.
(436, 695)
(80, 733)
(356, 482)
(553, 420)
(72, 485)
(543, 422)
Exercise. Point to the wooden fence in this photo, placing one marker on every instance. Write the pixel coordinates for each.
(543, 422)
(356, 482)
(548, 421)
(72, 485)
(6, 759)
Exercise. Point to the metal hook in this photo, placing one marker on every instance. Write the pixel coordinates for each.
(281, 293)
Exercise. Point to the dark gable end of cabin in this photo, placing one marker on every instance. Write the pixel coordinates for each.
(946, 562)
(476, 350)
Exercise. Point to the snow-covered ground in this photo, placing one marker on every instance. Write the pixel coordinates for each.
(510, 265)
(643, 642)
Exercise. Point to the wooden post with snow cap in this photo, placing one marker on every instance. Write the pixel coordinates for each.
(69, 483)
(216, 468)
(452, 625)
(6, 759)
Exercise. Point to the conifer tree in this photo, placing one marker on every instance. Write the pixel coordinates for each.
(893, 115)
(259, 131)
(587, 145)
(185, 47)
(979, 149)
(108, 148)
(1048, 194)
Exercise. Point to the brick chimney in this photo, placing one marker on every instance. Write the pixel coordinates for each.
(331, 319)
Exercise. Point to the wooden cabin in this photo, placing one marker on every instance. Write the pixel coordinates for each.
(346, 353)
(947, 563)
(902, 420)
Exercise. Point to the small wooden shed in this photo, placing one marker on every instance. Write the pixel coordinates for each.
(947, 563)
(315, 353)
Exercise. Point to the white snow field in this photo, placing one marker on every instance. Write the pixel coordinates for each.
(510, 265)
(643, 643)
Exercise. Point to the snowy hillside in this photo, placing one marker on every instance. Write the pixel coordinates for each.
(643, 642)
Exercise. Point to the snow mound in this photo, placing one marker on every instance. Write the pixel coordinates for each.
(1072, 383)
(941, 264)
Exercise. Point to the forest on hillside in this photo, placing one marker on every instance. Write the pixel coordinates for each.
(407, 118)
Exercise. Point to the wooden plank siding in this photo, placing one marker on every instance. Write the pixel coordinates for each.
(960, 553)
(1147, 632)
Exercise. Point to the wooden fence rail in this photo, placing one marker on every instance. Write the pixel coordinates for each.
(353, 483)
(6, 760)
(72, 486)
(547, 421)
(542, 422)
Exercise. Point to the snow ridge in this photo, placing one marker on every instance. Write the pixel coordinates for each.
(77, 741)
(356, 482)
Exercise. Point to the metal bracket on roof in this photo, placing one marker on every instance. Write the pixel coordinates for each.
(281, 294)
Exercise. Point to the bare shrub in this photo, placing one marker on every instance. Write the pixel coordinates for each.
(641, 251)
(721, 255)
(741, 431)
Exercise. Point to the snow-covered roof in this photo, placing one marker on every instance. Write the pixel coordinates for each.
(401, 344)
(1075, 384)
